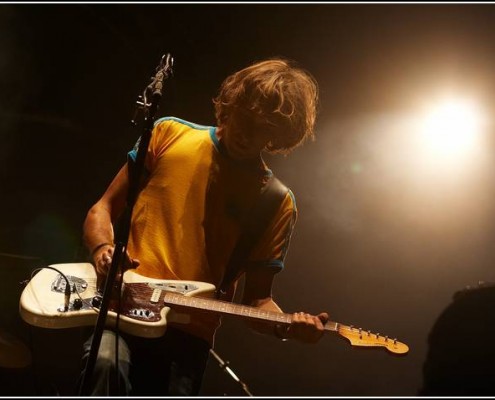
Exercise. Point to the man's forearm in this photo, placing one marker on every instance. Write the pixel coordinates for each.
(267, 304)
(97, 228)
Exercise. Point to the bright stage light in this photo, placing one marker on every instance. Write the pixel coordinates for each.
(452, 128)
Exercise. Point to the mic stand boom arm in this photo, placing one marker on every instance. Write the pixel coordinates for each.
(153, 90)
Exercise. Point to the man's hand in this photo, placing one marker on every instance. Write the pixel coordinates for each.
(103, 260)
(304, 327)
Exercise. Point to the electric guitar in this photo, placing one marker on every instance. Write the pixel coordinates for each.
(146, 304)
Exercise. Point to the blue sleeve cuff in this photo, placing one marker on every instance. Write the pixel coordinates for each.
(277, 265)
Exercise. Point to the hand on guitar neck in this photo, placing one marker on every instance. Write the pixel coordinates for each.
(300, 326)
(304, 327)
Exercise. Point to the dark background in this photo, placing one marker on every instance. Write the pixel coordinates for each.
(381, 242)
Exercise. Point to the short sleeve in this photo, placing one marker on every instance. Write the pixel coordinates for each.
(274, 244)
(161, 137)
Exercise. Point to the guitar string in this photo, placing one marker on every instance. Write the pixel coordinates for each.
(338, 327)
(143, 290)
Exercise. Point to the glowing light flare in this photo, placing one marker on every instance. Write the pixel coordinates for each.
(452, 129)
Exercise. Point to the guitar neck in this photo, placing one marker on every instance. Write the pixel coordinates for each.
(227, 308)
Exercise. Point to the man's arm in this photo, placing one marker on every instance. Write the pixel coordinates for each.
(305, 327)
(98, 232)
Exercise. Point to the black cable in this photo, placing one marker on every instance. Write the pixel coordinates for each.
(67, 289)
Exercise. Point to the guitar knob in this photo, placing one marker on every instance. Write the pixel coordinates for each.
(96, 301)
(77, 304)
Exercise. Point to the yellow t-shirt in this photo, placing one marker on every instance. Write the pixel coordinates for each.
(187, 218)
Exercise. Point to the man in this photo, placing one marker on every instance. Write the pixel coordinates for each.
(200, 184)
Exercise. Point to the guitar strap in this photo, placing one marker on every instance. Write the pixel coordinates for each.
(257, 222)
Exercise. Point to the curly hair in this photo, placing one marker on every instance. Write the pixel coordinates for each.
(280, 92)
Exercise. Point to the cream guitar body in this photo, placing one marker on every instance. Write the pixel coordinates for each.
(43, 301)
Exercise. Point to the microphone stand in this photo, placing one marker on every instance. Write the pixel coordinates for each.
(153, 90)
(224, 365)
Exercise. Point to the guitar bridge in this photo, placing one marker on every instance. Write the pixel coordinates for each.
(76, 284)
(174, 287)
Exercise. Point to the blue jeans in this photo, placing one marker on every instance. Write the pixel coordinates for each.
(172, 365)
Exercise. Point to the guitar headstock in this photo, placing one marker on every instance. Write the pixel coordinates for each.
(360, 337)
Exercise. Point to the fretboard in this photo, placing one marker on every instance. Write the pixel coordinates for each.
(227, 308)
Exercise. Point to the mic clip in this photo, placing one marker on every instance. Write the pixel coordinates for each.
(154, 90)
